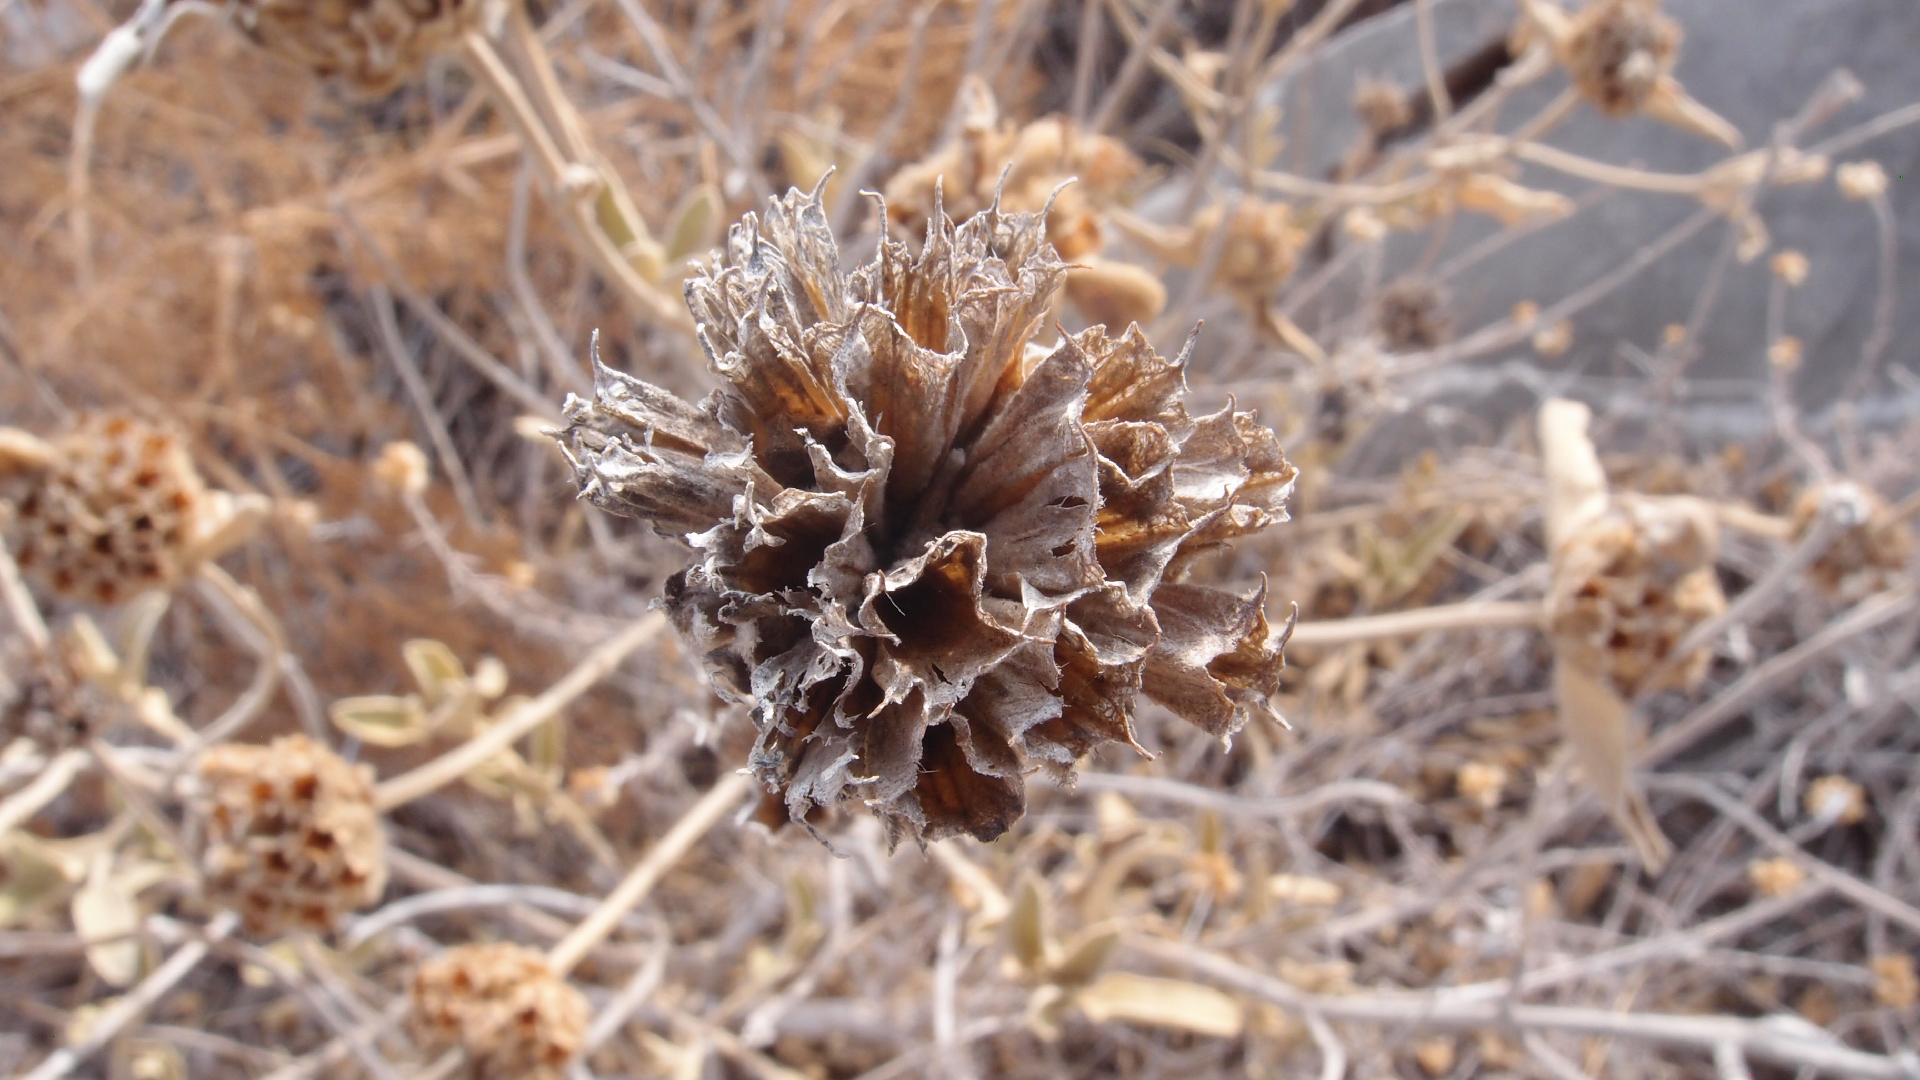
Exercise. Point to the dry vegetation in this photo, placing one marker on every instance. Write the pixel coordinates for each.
(341, 737)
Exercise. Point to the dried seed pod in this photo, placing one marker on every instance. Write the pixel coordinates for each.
(1382, 106)
(1632, 583)
(48, 698)
(119, 509)
(504, 1006)
(292, 838)
(1618, 52)
(1411, 314)
(931, 553)
(1864, 559)
(371, 46)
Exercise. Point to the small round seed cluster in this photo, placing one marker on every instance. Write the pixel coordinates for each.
(1630, 585)
(504, 1006)
(1618, 52)
(1411, 315)
(1862, 560)
(44, 698)
(293, 840)
(370, 45)
(116, 512)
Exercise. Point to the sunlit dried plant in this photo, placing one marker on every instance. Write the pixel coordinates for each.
(292, 837)
(114, 506)
(48, 697)
(1049, 166)
(1632, 576)
(934, 553)
(504, 1006)
(1619, 56)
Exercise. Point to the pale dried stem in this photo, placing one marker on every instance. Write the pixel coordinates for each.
(1132, 68)
(46, 787)
(1499, 615)
(423, 405)
(1786, 1044)
(520, 721)
(702, 816)
(242, 609)
(130, 1007)
(20, 605)
(1430, 61)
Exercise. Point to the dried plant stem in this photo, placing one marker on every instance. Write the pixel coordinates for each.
(46, 787)
(129, 1008)
(1165, 789)
(20, 606)
(702, 816)
(1131, 69)
(456, 763)
(423, 404)
(1762, 1039)
(80, 191)
(255, 624)
(1495, 615)
(582, 192)
(1734, 700)
(1430, 61)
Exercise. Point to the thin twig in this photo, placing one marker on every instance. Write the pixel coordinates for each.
(1498, 615)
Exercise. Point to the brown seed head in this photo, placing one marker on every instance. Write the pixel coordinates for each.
(120, 509)
(371, 46)
(292, 839)
(1630, 584)
(504, 1006)
(1382, 106)
(1864, 559)
(1412, 315)
(1618, 52)
(933, 554)
(48, 698)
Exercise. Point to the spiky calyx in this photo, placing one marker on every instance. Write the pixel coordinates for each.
(292, 837)
(934, 555)
(504, 1006)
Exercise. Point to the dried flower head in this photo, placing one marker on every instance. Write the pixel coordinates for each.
(118, 508)
(1895, 983)
(1779, 876)
(1865, 558)
(1632, 583)
(504, 1006)
(1382, 106)
(1861, 180)
(371, 46)
(1836, 800)
(933, 553)
(292, 838)
(1258, 247)
(1411, 314)
(1619, 55)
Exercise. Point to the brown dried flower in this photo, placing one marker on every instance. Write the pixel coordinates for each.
(48, 698)
(1619, 56)
(370, 45)
(1382, 106)
(1411, 314)
(292, 836)
(504, 1006)
(1630, 584)
(934, 554)
(118, 508)
(1864, 559)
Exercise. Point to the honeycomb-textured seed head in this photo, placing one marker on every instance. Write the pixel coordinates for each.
(371, 46)
(120, 509)
(932, 553)
(47, 698)
(504, 1006)
(1618, 52)
(292, 837)
(1864, 559)
(1629, 585)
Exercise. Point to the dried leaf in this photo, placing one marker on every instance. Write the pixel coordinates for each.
(1167, 1003)
(381, 720)
(435, 669)
(1027, 924)
(105, 907)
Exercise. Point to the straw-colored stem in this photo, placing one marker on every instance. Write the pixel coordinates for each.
(46, 787)
(1497, 615)
(456, 763)
(20, 606)
(702, 816)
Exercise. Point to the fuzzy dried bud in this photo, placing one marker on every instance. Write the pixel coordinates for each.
(1618, 52)
(1775, 877)
(402, 468)
(1865, 558)
(1861, 180)
(292, 838)
(1785, 354)
(49, 698)
(1629, 585)
(1555, 340)
(117, 509)
(1789, 266)
(1382, 106)
(1836, 800)
(1483, 782)
(371, 46)
(933, 554)
(1895, 983)
(504, 1006)
(1411, 315)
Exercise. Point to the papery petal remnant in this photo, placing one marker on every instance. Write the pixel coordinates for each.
(934, 555)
